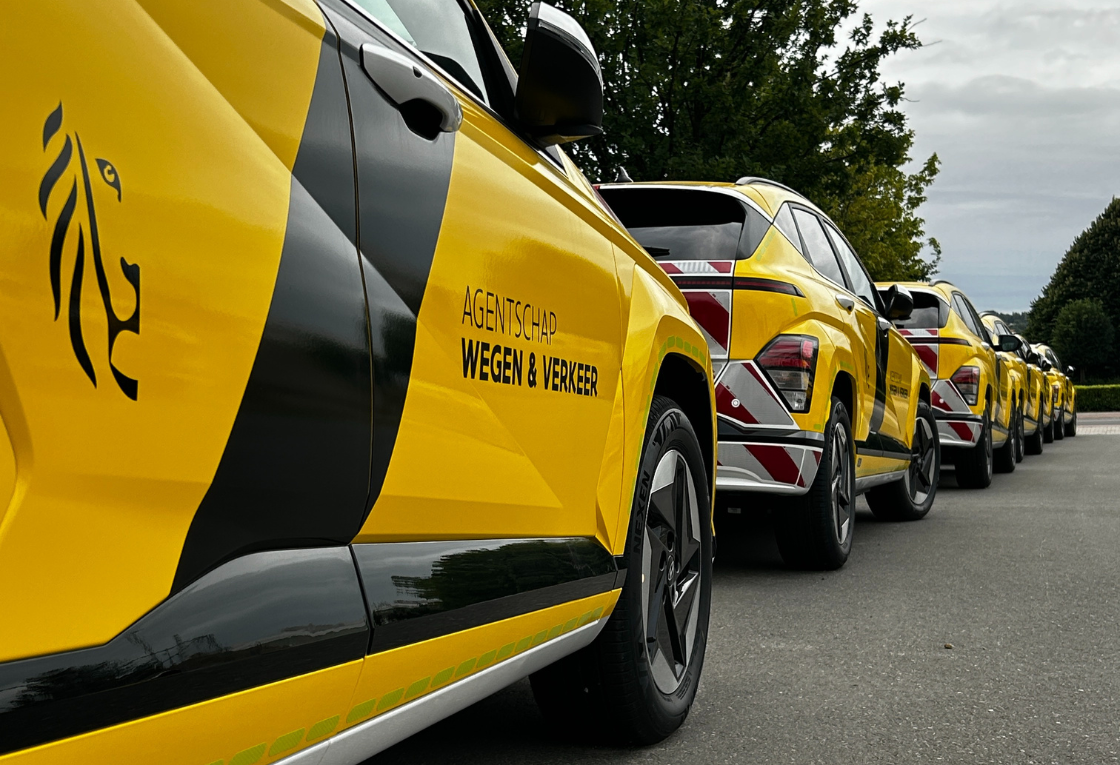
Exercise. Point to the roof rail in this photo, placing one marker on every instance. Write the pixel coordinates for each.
(752, 179)
(935, 282)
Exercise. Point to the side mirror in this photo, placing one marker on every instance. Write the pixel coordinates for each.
(560, 87)
(899, 303)
(1009, 343)
(1044, 365)
(1070, 370)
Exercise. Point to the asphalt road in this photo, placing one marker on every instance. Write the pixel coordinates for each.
(853, 666)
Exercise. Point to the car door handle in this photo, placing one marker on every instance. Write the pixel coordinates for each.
(845, 302)
(403, 80)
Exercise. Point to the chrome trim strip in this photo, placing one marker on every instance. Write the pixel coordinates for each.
(747, 484)
(357, 744)
(879, 479)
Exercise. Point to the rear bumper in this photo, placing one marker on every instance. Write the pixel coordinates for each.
(768, 466)
(956, 424)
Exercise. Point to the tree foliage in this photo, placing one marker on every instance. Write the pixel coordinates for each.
(718, 89)
(1090, 269)
(1083, 335)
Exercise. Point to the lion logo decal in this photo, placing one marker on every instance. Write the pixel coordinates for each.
(61, 170)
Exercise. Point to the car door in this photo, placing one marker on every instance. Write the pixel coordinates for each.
(894, 360)
(494, 314)
(982, 347)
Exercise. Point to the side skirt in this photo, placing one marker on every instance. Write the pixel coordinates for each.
(871, 481)
(357, 744)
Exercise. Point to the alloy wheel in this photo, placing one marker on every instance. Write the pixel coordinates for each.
(671, 572)
(842, 485)
(919, 478)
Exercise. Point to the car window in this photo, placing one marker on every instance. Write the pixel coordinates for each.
(962, 308)
(930, 312)
(984, 334)
(820, 253)
(688, 224)
(857, 276)
(439, 29)
(784, 221)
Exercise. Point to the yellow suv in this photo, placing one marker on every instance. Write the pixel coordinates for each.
(1014, 391)
(1063, 393)
(973, 416)
(333, 399)
(819, 398)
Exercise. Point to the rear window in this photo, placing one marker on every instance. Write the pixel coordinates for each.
(930, 312)
(688, 224)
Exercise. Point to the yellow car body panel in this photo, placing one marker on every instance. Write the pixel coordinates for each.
(1019, 388)
(884, 402)
(99, 472)
(960, 342)
(273, 362)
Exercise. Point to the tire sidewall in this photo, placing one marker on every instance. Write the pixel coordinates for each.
(838, 417)
(926, 413)
(672, 430)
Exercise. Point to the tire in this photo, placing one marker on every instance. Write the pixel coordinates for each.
(975, 465)
(1033, 444)
(1048, 432)
(815, 531)
(615, 687)
(1004, 458)
(912, 497)
(1071, 428)
(1060, 425)
(1021, 437)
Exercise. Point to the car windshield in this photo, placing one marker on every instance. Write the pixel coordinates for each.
(930, 312)
(688, 224)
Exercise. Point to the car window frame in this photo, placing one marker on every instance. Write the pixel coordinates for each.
(831, 229)
(969, 318)
(555, 161)
(794, 209)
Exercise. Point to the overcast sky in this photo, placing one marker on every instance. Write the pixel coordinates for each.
(1021, 100)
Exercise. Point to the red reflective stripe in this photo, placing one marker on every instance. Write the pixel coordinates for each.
(711, 315)
(928, 356)
(939, 402)
(963, 430)
(777, 462)
(724, 397)
(723, 266)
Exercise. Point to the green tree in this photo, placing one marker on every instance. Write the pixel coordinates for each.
(718, 89)
(1091, 268)
(1083, 335)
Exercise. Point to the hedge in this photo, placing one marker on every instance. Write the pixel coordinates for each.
(1098, 398)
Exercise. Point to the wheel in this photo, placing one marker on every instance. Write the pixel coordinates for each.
(974, 466)
(1020, 436)
(1060, 425)
(1071, 428)
(1033, 444)
(1004, 458)
(815, 531)
(912, 497)
(1048, 432)
(636, 682)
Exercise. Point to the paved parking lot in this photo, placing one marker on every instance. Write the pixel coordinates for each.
(852, 666)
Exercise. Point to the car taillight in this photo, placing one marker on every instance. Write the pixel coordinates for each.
(967, 380)
(790, 361)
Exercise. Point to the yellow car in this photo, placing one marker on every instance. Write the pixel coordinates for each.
(819, 398)
(1014, 392)
(1036, 415)
(973, 417)
(333, 399)
(1063, 392)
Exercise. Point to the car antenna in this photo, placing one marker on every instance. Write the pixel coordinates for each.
(623, 176)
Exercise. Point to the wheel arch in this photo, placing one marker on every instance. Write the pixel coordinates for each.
(685, 383)
(844, 388)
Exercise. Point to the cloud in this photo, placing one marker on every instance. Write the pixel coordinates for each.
(1021, 101)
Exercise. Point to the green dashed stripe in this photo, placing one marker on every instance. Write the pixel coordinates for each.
(323, 727)
(361, 711)
(286, 742)
(290, 741)
(249, 756)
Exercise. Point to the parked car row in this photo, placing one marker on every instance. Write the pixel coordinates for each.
(403, 410)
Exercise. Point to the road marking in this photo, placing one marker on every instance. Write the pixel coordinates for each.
(1099, 430)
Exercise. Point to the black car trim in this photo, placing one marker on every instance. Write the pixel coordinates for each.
(420, 590)
(255, 620)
